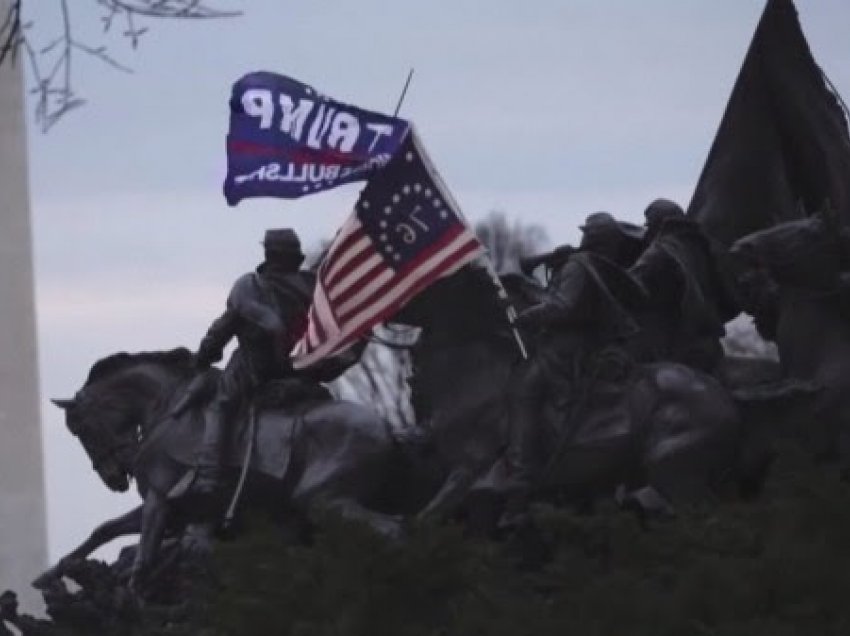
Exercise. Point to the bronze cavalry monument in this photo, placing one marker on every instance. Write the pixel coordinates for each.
(595, 378)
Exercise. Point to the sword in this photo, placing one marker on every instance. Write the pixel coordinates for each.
(243, 475)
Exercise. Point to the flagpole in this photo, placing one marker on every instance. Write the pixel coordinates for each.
(510, 311)
(403, 92)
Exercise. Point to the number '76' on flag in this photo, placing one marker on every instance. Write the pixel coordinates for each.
(406, 231)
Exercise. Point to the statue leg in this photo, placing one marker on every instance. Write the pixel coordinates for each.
(386, 525)
(235, 384)
(451, 494)
(524, 408)
(209, 453)
(154, 517)
(128, 523)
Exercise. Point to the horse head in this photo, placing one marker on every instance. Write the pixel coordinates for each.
(118, 398)
(802, 253)
(463, 327)
(464, 304)
(107, 451)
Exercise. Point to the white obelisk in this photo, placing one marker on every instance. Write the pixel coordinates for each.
(23, 532)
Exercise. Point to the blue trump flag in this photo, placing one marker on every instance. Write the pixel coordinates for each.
(287, 140)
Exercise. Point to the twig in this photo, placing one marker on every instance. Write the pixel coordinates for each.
(183, 9)
(52, 65)
(10, 31)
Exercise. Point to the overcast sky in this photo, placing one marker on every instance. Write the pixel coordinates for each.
(547, 110)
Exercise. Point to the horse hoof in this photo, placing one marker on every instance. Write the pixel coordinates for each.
(43, 580)
(50, 576)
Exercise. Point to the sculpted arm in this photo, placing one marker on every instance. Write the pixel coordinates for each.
(251, 305)
(218, 335)
(650, 265)
(261, 315)
(562, 300)
(243, 304)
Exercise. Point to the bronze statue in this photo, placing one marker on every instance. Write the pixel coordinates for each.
(689, 299)
(570, 330)
(318, 455)
(662, 426)
(266, 313)
(618, 241)
(581, 416)
(793, 275)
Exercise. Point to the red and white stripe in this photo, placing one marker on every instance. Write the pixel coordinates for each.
(357, 290)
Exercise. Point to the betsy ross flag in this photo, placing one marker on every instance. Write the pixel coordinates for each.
(406, 231)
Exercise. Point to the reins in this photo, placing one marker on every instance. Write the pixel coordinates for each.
(158, 419)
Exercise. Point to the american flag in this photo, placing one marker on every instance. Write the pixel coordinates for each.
(406, 231)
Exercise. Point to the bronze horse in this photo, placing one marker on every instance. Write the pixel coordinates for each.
(323, 455)
(791, 274)
(665, 426)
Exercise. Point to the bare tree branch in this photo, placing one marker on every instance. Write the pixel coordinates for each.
(506, 243)
(191, 9)
(10, 31)
(51, 65)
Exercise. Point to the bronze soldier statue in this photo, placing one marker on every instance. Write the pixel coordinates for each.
(690, 300)
(618, 241)
(266, 312)
(590, 302)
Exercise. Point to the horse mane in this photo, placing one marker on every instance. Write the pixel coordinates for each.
(180, 357)
(463, 305)
(476, 285)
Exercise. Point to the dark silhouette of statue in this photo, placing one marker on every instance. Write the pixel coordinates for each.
(689, 300)
(618, 241)
(590, 303)
(791, 279)
(266, 313)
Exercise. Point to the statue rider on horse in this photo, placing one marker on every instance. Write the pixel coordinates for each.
(571, 328)
(266, 312)
(690, 299)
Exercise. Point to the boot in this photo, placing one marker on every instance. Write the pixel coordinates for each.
(520, 460)
(208, 477)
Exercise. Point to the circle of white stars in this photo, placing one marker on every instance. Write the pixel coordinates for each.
(397, 198)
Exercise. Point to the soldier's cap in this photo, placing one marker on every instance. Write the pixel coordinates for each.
(282, 240)
(662, 209)
(604, 223)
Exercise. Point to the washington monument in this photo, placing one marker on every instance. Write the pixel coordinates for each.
(23, 552)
